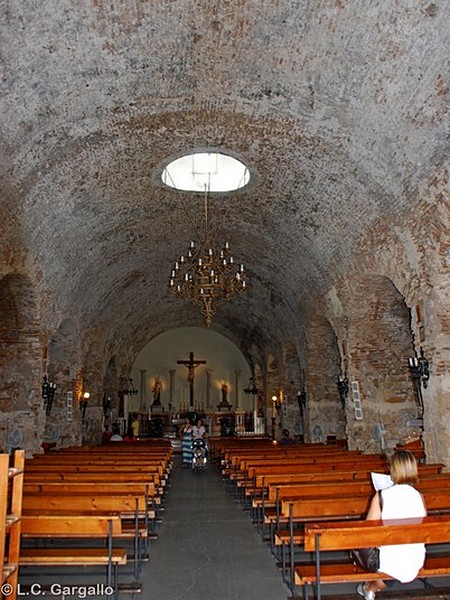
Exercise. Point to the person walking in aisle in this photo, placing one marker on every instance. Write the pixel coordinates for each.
(186, 435)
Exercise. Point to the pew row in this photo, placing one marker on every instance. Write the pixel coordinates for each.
(70, 528)
(326, 538)
(298, 513)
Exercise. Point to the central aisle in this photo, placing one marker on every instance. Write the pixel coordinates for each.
(208, 547)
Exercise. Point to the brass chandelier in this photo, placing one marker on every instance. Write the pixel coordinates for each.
(205, 275)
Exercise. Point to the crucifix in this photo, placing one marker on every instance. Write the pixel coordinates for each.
(191, 364)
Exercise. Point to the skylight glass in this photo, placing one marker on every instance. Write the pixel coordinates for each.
(206, 171)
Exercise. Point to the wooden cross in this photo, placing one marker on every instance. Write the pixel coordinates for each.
(191, 364)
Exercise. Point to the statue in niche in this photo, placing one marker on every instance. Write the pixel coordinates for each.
(156, 391)
(224, 404)
(225, 389)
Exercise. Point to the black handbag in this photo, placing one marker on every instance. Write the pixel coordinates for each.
(366, 558)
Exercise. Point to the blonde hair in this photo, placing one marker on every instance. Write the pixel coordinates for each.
(404, 467)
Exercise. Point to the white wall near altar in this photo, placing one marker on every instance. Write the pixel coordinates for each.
(221, 356)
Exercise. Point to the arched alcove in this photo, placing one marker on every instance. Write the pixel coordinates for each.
(22, 357)
(224, 364)
(380, 342)
(324, 411)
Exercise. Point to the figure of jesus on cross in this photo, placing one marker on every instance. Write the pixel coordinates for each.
(191, 364)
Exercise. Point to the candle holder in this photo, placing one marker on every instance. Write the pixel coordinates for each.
(420, 374)
(48, 394)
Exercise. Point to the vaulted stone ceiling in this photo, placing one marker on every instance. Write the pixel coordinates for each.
(338, 108)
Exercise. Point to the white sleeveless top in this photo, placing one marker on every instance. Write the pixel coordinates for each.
(402, 561)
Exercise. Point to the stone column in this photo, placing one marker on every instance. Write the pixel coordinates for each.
(208, 387)
(237, 385)
(143, 390)
(172, 386)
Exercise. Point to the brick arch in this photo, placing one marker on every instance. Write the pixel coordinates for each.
(292, 382)
(324, 406)
(22, 354)
(379, 344)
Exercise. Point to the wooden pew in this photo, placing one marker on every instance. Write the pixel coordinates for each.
(278, 492)
(236, 462)
(126, 480)
(299, 512)
(339, 536)
(123, 503)
(265, 477)
(136, 514)
(151, 492)
(70, 527)
(249, 475)
(105, 476)
(85, 467)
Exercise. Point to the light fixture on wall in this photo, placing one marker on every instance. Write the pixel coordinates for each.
(342, 385)
(129, 389)
(48, 394)
(277, 403)
(301, 399)
(84, 400)
(419, 367)
(420, 374)
(251, 387)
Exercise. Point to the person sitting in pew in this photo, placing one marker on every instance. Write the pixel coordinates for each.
(116, 436)
(399, 501)
(106, 435)
(286, 439)
(130, 437)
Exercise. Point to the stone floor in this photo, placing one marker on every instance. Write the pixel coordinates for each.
(208, 549)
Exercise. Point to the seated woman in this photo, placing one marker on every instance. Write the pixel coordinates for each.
(400, 501)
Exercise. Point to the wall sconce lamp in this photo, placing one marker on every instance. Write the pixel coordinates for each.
(251, 387)
(83, 403)
(342, 385)
(301, 399)
(129, 390)
(106, 405)
(419, 367)
(420, 374)
(277, 403)
(48, 393)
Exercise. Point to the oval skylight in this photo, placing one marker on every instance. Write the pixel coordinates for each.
(206, 171)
